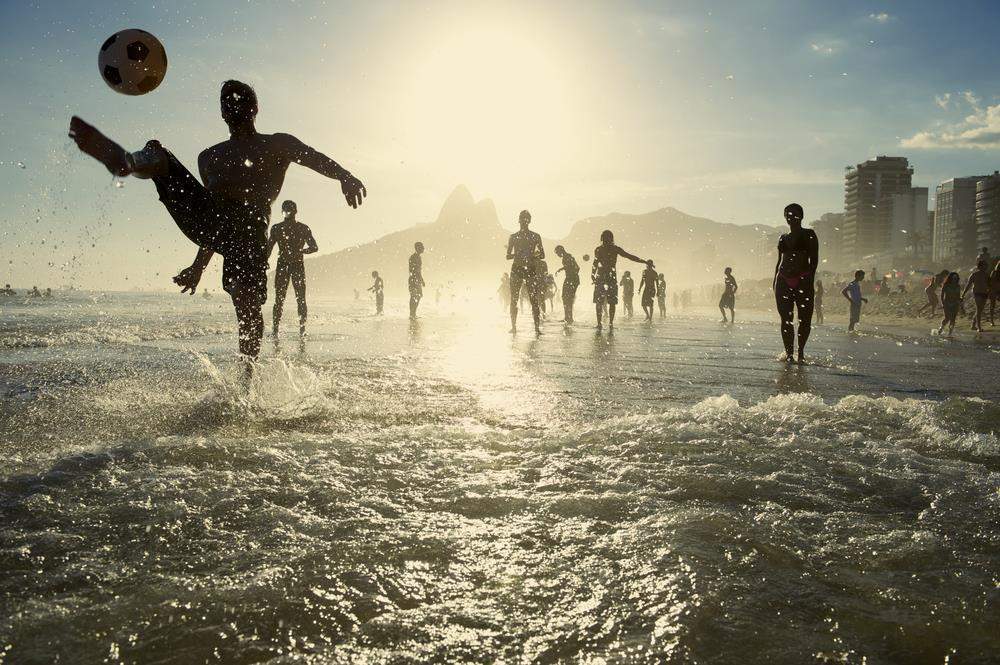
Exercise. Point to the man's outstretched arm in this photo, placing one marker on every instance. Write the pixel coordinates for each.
(300, 153)
(630, 257)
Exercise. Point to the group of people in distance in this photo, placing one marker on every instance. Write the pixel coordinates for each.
(984, 282)
(530, 272)
(6, 291)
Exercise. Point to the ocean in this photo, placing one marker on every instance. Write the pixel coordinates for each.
(443, 491)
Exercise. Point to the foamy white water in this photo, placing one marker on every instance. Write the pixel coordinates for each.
(445, 492)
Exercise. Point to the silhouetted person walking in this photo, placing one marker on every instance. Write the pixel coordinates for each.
(728, 299)
(628, 292)
(570, 282)
(416, 280)
(228, 214)
(930, 291)
(661, 295)
(378, 289)
(648, 289)
(979, 283)
(294, 240)
(819, 300)
(604, 274)
(798, 257)
(951, 301)
(525, 249)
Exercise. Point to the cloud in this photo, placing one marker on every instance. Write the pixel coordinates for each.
(978, 130)
(881, 17)
(826, 46)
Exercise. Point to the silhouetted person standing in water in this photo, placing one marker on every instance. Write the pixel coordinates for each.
(932, 296)
(648, 283)
(604, 274)
(979, 283)
(951, 301)
(819, 301)
(798, 257)
(661, 295)
(228, 214)
(294, 240)
(728, 299)
(570, 282)
(525, 249)
(628, 292)
(378, 289)
(416, 281)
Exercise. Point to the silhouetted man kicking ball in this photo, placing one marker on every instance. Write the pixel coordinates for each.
(416, 280)
(525, 248)
(604, 274)
(229, 213)
(294, 240)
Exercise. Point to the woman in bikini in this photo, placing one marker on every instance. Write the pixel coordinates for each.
(798, 257)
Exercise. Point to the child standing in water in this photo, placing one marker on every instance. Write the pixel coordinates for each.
(853, 294)
(951, 299)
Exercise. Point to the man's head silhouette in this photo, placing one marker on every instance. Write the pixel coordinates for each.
(607, 237)
(418, 247)
(289, 208)
(560, 250)
(794, 213)
(239, 103)
(524, 219)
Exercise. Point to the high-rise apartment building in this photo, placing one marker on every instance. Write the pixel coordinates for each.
(830, 230)
(988, 213)
(955, 219)
(868, 198)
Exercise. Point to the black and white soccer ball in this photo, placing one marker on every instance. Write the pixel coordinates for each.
(132, 62)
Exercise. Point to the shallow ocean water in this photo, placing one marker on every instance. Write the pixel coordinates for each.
(441, 491)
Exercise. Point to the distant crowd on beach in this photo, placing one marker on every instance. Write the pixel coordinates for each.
(8, 292)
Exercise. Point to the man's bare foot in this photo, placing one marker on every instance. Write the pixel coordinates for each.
(99, 146)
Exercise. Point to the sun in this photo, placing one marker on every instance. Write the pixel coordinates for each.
(492, 102)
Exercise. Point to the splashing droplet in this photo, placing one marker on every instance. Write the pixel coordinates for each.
(21, 165)
(248, 163)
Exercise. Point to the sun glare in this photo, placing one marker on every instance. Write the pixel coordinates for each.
(488, 97)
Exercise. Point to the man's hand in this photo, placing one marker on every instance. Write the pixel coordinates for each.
(188, 279)
(354, 190)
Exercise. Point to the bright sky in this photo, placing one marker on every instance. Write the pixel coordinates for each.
(571, 109)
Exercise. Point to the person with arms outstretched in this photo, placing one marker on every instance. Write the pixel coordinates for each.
(378, 288)
(524, 248)
(570, 282)
(416, 282)
(798, 257)
(628, 292)
(604, 275)
(648, 283)
(294, 240)
(228, 212)
(728, 299)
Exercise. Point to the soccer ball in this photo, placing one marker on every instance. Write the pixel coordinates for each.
(132, 62)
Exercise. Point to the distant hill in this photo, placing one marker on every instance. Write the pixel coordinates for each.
(466, 245)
